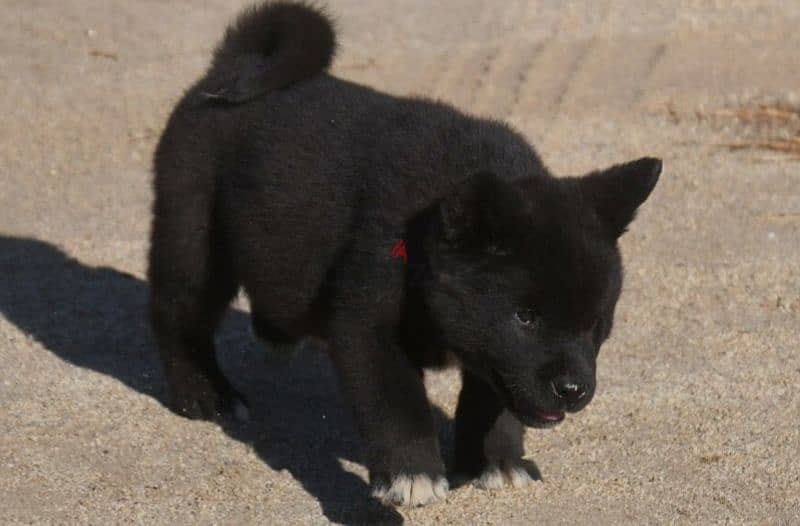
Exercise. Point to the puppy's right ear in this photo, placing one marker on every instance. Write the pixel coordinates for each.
(464, 211)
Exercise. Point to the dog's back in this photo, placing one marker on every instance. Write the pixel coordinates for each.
(268, 161)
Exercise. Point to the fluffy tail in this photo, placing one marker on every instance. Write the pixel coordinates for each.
(269, 47)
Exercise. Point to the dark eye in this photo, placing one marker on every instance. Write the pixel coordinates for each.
(526, 316)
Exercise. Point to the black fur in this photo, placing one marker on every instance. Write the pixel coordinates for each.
(270, 47)
(274, 176)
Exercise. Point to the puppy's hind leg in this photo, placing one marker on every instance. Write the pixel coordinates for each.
(278, 346)
(188, 295)
(191, 284)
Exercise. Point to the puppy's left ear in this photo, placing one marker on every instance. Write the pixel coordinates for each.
(617, 192)
(464, 212)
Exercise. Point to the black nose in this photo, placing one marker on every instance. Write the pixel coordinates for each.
(570, 391)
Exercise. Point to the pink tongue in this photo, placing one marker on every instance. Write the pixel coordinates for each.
(551, 416)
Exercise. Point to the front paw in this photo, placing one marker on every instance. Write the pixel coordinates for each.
(515, 473)
(411, 490)
(496, 461)
(408, 475)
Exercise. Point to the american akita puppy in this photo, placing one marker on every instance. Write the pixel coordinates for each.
(405, 233)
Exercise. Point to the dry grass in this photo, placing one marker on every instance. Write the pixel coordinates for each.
(790, 146)
(762, 114)
(771, 127)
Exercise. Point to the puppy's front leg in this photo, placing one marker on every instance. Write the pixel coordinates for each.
(392, 414)
(488, 439)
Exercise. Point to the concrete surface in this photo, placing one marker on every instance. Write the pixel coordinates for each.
(696, 417)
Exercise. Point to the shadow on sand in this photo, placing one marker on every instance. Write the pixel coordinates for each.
(95, 318)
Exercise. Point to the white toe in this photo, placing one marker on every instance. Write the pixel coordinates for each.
(499, 476)
(412, 490)
(518, 476)
(491, 478)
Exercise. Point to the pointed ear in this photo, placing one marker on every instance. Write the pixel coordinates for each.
(617, 192)
(463, 211)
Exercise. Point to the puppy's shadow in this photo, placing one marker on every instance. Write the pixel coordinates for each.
(95, 318)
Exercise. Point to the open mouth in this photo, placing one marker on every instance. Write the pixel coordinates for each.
(550, 416)
(534, 417)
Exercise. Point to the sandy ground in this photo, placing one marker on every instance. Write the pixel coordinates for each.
(696, 417)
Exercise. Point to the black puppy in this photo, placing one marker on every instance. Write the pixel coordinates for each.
(402, 231)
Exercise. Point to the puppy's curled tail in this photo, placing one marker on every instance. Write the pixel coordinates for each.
(270, 46)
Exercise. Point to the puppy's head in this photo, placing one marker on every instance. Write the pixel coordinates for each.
(526, 278)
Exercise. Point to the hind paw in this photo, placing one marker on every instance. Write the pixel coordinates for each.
(199, 399)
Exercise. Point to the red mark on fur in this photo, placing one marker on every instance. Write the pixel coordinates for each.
(399, 250)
